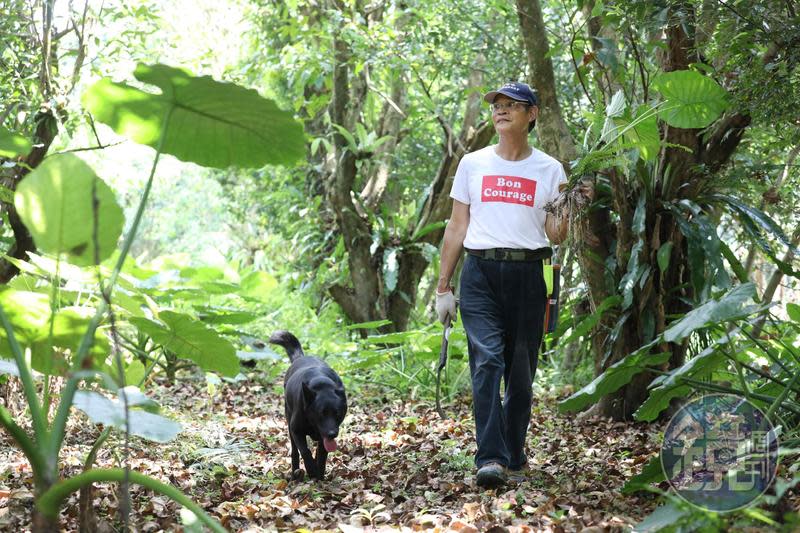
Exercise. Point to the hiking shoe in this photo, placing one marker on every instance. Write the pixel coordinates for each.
(491, 475)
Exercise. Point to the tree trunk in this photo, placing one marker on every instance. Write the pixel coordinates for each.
(365, 298)
(551, 127)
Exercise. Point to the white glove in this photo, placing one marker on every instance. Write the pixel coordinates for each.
(445, 306)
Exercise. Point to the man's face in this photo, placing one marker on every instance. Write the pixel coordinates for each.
(512, 116)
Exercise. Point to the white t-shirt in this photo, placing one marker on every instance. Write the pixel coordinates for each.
(506, 198)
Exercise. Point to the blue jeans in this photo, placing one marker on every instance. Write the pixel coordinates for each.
(502, 307)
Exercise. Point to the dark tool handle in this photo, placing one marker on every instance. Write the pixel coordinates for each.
(445, 342)
(442, 363)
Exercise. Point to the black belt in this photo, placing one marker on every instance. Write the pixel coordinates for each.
(512, 254)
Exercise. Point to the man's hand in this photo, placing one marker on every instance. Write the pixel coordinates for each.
(445, 306)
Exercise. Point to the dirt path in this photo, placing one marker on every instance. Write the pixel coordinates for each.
(398, 465)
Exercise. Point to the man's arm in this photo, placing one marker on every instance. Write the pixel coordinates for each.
(453, 244)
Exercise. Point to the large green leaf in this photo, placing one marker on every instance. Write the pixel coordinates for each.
(666, 387)
(191, 339)
(730, 306)
(642, 131)
(109, 412)
(693, 100)
(210, 314)
(55, 204)
(210, 123)
(615, 377)
(69, 326)
(29, 314)
(659, 399)
(12, 145)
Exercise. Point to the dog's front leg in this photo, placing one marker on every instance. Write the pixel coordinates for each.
(308, 459)
(322, 456)
(296, 474)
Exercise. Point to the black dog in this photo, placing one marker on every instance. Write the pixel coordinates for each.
(315, 406)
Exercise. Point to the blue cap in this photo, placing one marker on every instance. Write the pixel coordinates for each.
(515, 90)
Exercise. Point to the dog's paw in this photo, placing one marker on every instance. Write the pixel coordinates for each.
(298, 475)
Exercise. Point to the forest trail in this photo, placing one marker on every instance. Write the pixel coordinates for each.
(398, 466)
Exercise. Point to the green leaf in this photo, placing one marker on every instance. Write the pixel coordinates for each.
(348, 137)
(221, 315)
(375, 324)
(730, 306)
(693, 100)
(258, 286)
(735, 264)
(12, 145)
(69, 326)
(642, 132)
(102, 410)
(664, 253)
(615, 377)
(652, 472)
(427, 229)
(758, 216)
(659, 399)
(392, 338)
(135, 373)
(191, 339)
(55, 204)
(29, 314)
(793, 310)
(210, 123)
(667, 387)
(587, 324)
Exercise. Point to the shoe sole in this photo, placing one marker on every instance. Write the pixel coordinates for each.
(490, 481)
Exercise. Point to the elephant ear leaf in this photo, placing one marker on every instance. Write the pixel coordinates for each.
(203, 121)
(12, 145)
(692, 100)
(55, 202)
(189, 338)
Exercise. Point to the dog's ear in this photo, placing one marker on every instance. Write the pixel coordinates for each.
(308, 393)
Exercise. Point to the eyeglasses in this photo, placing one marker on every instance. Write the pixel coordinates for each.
(500, 106)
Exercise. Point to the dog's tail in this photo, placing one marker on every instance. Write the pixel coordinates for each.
(289, 342)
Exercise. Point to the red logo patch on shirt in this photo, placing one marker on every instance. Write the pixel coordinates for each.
(508, 189)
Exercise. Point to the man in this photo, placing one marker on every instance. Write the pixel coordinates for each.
(498, 195)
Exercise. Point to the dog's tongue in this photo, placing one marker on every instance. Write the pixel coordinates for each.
(330, 444)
